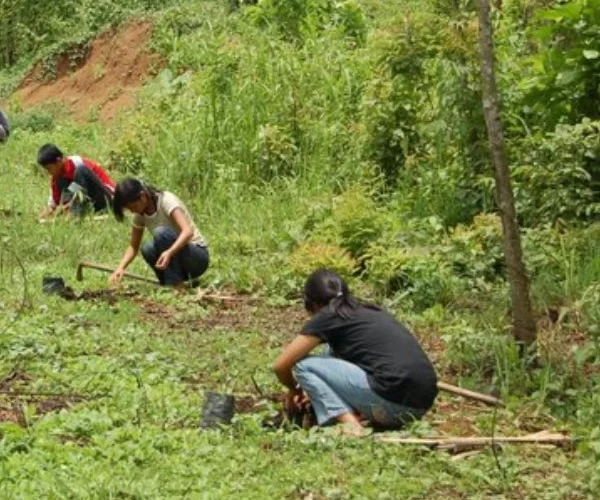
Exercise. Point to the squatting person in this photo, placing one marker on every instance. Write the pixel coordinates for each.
(376, 371)
(177, 251)
(76, 183)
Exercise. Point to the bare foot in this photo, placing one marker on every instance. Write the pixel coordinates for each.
(352, 425)
(349, 418)
(352, 430)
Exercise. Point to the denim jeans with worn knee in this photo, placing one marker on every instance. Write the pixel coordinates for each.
(336, 387)
(189, 263)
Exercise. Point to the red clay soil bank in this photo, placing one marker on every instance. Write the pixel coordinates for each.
(116, 66)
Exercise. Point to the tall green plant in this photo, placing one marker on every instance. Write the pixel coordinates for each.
(566, 86)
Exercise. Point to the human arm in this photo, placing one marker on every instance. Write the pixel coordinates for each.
(49, 211)
(53, 205)
(185, 235)
(130, 254)
(296, 350)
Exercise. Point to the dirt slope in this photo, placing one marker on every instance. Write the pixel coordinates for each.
(106, 81)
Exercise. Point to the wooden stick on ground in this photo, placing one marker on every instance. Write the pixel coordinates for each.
(465, 454)
(462, 443)
(66, 395)
(206, 294)
(478, 396)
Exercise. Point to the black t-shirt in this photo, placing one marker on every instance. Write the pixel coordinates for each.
(396, 366)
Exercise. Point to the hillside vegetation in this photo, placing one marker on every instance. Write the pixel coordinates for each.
(304, 133)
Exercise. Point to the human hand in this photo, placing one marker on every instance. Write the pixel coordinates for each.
(45, 213)
(116, 277)
(296, 400)
(164, 260)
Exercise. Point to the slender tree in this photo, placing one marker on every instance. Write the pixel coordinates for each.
(523, 323)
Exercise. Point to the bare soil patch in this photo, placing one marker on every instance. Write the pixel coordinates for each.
(14, 396)
(106, 80)
(243, 313)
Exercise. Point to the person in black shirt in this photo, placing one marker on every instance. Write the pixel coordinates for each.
(4, 127)
(377, 370)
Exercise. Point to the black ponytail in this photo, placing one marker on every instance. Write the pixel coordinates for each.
(326, 288)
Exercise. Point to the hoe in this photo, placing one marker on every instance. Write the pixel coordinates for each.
(108, 269)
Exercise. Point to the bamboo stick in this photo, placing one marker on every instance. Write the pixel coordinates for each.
(556, 439)
(478, 396)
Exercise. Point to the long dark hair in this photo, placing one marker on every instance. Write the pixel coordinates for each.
(326, 288)
(128, 191)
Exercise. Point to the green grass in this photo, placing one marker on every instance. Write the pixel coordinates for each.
(268, 142)
(140, 438)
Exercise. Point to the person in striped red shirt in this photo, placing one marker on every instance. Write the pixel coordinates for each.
(77, 184)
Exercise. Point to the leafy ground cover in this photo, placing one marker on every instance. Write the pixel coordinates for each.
(301, 134)
(134, 366)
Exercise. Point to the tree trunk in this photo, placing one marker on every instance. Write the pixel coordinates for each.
(523, 322)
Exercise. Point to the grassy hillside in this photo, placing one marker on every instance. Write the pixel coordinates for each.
(302, 134)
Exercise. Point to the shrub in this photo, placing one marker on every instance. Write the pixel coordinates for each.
(559, 177)
(565, 83)
(356, 222)
(475, 250)
(297, 20)
(564, 262)
(275, 152)
(422, 279)
(41, 119)
(313, 255)
(128, 157)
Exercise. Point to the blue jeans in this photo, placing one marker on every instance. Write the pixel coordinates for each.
(189, 263)
(336, 387)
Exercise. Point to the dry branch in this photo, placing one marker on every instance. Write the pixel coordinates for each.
(456, 444)
(216, 296)
(27, 394)
(478, 396)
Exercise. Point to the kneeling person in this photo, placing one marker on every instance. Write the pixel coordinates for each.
(177, 252)
(377, 370)
(76, 183)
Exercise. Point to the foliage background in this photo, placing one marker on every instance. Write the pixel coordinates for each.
(340, 133)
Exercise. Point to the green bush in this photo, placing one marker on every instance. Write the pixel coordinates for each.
(355, 223)
(42, 119)
(413, 275)
(275, 152)
(475, 250)
(564, 263)
(29, 27)
(558, 176)
(298, 20)
(312, 255)
(474, 352)
(128, 157)
(565, 87)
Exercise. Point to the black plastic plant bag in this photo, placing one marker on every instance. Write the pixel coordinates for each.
(51, 284)
(218, 410)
